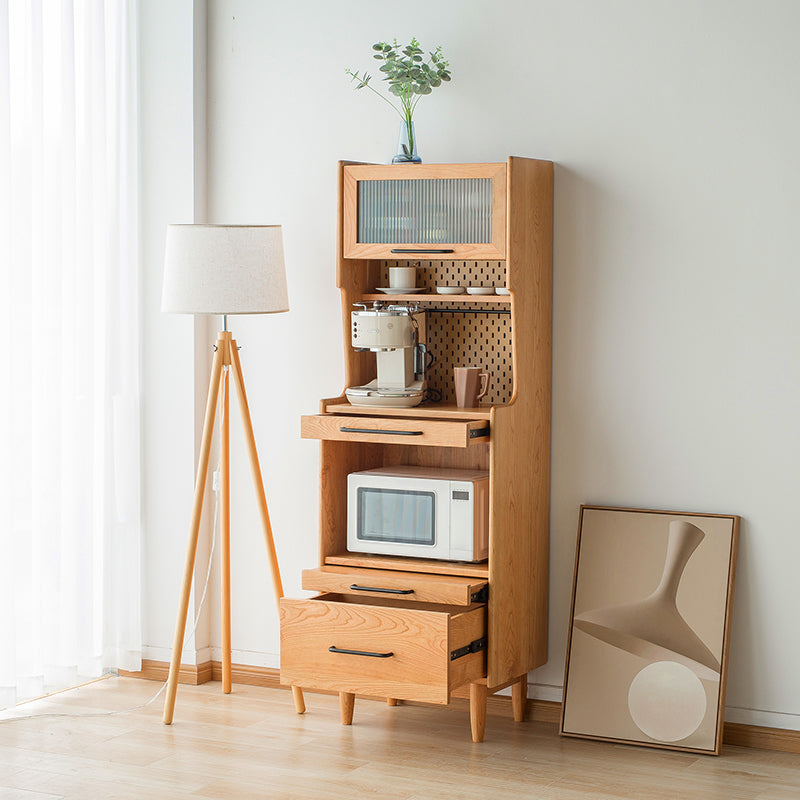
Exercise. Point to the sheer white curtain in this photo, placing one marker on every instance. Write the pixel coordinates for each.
(69, 393)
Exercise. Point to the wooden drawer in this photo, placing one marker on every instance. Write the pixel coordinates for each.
(411, 586)
(399, 650)
(394, 430)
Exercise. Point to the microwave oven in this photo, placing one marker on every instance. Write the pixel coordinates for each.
(420, 512)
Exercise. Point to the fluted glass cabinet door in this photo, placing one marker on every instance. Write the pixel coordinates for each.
(425, 211)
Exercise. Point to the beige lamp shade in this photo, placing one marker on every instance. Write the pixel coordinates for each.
(224, 269)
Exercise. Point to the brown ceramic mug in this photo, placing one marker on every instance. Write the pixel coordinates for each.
(472, 383)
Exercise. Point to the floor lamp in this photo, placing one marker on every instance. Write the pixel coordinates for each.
(223, 269)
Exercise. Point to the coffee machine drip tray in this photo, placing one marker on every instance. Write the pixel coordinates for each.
(374, 395)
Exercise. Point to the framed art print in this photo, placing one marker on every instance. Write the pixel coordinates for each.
(649, 628)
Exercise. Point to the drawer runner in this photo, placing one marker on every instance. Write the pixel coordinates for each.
(481, 596)
(472, 647)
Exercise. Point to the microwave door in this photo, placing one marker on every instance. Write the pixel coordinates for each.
(400, 517)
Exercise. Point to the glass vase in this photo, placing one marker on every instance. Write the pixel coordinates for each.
(407, 145)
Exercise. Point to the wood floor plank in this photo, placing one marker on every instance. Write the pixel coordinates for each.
(252, 744)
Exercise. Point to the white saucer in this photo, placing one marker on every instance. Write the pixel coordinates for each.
(480, 290)
(450, 290)
(395, 290)
(501, 290)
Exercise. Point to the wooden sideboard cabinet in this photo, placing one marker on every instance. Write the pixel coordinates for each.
(457, 627)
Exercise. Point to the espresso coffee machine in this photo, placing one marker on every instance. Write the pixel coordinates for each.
(392, 333)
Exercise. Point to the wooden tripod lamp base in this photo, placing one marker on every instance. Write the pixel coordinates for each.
(226, 360)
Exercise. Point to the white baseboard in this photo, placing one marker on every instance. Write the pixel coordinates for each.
(249, 658)
(763, 719)
(187, 657)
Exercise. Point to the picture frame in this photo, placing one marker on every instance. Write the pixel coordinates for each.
(649, 632)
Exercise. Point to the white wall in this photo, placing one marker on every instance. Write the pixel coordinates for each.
(174, 364)
(676, 378)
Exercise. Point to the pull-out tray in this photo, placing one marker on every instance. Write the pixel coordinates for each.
(415, 587)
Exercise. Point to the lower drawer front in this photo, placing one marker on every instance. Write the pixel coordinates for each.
(411, 648)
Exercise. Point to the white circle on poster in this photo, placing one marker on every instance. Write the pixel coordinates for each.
(667, 701)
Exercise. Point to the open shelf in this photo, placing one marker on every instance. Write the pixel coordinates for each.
(462, 299)
(400, 564)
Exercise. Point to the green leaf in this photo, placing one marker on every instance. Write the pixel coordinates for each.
(406, 72)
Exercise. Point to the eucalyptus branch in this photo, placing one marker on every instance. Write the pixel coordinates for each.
(364, 84)
(408, 74)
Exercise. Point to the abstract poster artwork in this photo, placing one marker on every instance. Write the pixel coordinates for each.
(649, 628)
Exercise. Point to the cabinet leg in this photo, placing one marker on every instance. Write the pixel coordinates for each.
(391, 701)
(299, 702)
(477, 710)
(347, 701)
(519, 698)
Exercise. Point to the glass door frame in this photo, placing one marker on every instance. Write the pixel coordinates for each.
(490, 251)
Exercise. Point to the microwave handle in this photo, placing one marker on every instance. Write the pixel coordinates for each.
(333, 649)
(358, 588)
(377, 430)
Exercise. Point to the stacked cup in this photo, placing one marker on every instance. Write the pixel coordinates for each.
(402, 277)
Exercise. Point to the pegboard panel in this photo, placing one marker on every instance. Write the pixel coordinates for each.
(431, 274)
(470, 340)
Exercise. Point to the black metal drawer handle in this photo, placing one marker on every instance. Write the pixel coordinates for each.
(423, 250)
(376, 430)
(358, 588)
(333, 649)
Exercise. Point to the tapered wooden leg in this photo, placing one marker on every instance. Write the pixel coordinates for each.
(391, 701)
(347, 701)
(194, 529)
(225, 532)
(299, 702)
(255, 468)
(477, 710)
(519, 698)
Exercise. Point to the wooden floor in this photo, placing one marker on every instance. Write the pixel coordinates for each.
(251, 744)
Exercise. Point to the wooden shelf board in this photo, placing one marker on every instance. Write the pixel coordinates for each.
(411, 564)
(465, 299)
(434, 410)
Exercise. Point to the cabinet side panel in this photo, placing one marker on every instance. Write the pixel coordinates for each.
(337, 461)
(353, 278)
(520, 454)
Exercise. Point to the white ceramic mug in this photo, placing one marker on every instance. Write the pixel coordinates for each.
(402, 277)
